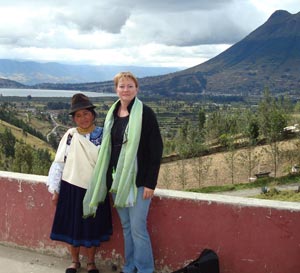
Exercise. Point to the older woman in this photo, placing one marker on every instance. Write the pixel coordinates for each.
(68, 180)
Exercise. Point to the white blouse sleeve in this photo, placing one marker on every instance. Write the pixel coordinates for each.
(57, 167)
(54, 176)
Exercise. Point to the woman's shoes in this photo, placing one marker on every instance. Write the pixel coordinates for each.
(93, 268)
(74, 268)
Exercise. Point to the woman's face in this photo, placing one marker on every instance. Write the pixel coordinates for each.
(126, 90)
(83, 118)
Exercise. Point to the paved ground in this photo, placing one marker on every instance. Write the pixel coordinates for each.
(15, 260)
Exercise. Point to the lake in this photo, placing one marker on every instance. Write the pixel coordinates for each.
(11, 92)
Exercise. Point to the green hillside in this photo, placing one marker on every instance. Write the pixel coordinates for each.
(25, 137)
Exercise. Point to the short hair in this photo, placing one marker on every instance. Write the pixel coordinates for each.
(125, 75)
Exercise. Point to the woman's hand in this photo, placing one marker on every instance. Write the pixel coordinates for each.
(54, 198)
(148, 193)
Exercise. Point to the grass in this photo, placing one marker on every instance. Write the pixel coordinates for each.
(26, 138)
(274, 194)
(40, 125)
(269, 182)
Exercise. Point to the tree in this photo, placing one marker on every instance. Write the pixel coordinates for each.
(201, 120)
(182, 173)
(214, 125)
(223, 123)
(167, 176)
(249, 159)
(250, 131)
(250, 127)
(190, 142)
(230, 158)
(272, 119)
(23, 162)
(41, 161)
(53, 141)
(8, 141)
(201, 167)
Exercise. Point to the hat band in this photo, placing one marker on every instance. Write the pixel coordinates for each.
(82, 105)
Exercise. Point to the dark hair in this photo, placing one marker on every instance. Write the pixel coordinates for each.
(92, 110)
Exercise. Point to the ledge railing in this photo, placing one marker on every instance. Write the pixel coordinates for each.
(249, 235)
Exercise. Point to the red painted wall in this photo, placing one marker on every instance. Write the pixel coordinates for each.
(249, 235)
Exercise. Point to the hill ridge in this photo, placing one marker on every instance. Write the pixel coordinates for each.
(268, 57)
(32, 73)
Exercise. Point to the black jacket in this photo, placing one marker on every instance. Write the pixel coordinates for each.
(150, 148)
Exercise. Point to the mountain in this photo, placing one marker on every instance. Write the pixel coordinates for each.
(4, 83)
(31, 73)
(267, 57)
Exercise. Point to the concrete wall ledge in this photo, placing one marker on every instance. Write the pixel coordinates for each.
(249, 235)
(226, 199)
(23, 177)
(163, 193)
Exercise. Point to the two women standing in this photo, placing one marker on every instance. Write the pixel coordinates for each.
(127, 166)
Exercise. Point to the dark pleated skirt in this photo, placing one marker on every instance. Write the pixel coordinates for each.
(70, 227)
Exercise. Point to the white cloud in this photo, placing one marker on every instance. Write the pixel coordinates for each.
(269, 6)
(129, 32)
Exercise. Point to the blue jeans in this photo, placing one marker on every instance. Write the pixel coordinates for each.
(138, 249)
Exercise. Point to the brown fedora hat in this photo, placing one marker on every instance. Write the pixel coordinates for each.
(80, 101)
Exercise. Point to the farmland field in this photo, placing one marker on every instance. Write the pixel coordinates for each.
(209, 170)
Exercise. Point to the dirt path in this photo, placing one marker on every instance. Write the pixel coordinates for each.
(55, 126)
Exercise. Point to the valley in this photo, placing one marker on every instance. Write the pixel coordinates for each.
(185, 165)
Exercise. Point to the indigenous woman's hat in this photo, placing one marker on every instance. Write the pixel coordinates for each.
(80, 101)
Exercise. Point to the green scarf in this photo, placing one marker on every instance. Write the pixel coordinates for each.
(124, 177)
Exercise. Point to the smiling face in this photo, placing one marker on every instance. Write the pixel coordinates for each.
(126, 89)
(126, 86)
(84, 118)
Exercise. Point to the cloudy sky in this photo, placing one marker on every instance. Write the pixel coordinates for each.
(179, 33)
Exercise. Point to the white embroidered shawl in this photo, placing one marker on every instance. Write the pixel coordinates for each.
(81, 159)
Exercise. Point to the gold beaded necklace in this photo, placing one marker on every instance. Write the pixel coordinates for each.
(87, 130)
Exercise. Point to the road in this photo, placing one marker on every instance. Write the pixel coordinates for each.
(55, 124)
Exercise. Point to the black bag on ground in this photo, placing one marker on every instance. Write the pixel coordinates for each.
(207, 262)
